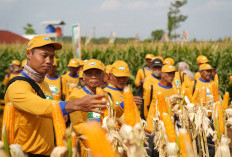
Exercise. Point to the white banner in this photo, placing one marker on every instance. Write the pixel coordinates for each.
(76, 39)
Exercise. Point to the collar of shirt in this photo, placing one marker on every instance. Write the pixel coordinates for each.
(18, 72)
(204, 81)
(25, 75)
(164, 86)
(87, 90)
(73, 76)
(156, 77)
(148, 68)
(55, 78)
(110, 86)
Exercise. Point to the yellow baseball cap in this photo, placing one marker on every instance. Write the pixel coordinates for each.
(120, 69)
(149, 56)
(73, 63)
(159, 57)
(93, 64)
(205, 67)
(202, 59)
(41, 40)
(24, 62)
(108, 68)
(81, 74)
(168, 68)
(16, 62)
(169, 61)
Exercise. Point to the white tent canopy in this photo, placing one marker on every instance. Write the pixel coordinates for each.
(58, 22)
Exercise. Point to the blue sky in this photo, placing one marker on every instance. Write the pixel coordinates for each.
(207, 19)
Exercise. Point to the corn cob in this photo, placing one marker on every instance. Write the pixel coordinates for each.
(96, 140)
(105, 110)
(8, 121)
(215, 92)
(58, 122)
(162, 105)
(231, 79)
(130, 109)
(196, 97)
(218, 116)
(185, 143)
(225, 100)
(204, 96)
(169, 127)
(216, 80)
(74, 139)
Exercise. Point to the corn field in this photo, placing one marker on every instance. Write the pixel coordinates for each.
(219, 54)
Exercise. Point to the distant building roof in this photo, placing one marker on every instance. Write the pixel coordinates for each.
(59, 22)
(10, 37)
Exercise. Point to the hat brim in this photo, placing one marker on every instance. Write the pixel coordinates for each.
(85, 69)
(71, 65)
(156, 65)
(121, 74)
(206, 69)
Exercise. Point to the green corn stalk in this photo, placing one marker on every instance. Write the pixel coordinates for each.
(5, 141)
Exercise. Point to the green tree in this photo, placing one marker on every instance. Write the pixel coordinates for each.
(175, 18)
(28, 29)
(157, 34)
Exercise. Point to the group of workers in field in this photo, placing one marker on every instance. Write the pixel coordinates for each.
(76, 91)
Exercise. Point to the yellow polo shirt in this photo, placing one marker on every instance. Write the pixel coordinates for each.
(72, 82)
(167, 92)
(117, 98)
(197, 75)
(140, 75)
(33, 122)
(55, 87)
(149, 80)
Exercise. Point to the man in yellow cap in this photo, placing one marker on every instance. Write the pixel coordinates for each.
(107, 74)
(72, 78)
(200, 60)
(205, 80)
(93, 76)
(166, 87)
(13, 71)
(143, 72)
(32, 99)
(151, 80)
(119, 77)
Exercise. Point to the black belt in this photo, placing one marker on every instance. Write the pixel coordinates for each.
(36, 155)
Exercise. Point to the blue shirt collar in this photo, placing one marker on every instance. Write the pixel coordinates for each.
(87, 90)
(18, 72)
(204, 81)
(52, 78)
(73, 76)
(164, 86)
(25, 75)
(113, 88)
(156, 77)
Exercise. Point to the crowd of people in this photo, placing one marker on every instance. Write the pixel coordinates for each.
(76, 91)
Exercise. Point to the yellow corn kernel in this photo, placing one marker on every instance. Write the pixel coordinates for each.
(162, 105)
(215, 92)
(8, 120)
(58, 122)
(218, 114)
(185, 143)
(169, 127)
(225, 100)
(216, 80)
(130, 109)
(204, 96)
(96, 140)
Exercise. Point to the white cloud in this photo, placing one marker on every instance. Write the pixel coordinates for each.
(110, 5)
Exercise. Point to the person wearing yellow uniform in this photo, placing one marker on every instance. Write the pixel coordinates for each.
(93, 75)
(57, 84)
(24, 62)
(72, 78)
(149, 83)
(200, 60)
(166, 87)
(205, 80)
(33, 127)
(159, 57)
(119, 77)
(143, 72)
(13, 71)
